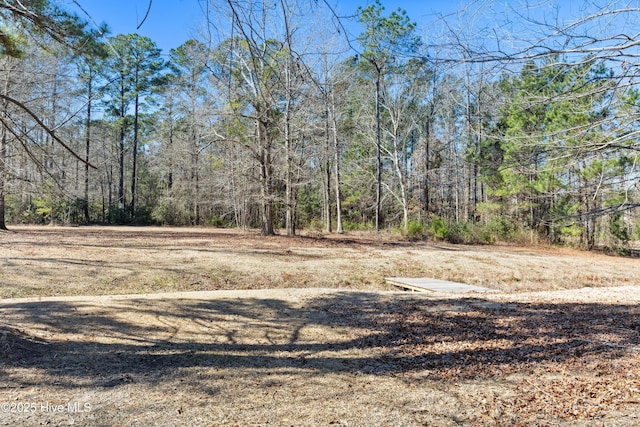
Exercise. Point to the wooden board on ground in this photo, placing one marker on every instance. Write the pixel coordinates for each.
(425, 284)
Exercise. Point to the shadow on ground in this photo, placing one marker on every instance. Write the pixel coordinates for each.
(116, 341)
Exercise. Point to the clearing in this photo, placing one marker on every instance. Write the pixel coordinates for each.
(230, 328)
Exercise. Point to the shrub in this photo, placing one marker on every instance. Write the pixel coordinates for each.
(219, 221)
(438, 228)
(168, 212)
(416, 230)
(355, 226)
(470, 233)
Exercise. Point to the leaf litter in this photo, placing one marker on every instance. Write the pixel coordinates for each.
(314, 356)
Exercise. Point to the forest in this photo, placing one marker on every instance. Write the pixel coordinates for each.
(500, 122)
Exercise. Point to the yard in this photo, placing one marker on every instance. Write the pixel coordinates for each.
(169, 326)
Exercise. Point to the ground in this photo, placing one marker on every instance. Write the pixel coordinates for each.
(231, 328)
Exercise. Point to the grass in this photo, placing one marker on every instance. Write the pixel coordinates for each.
(343, 350)
(49, 261)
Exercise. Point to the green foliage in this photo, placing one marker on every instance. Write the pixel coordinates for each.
(309, 206)
(438, 228)
(535, 163)
(416, 230)
(118, 215)
(459, 232)
(27, 216)
(11, 42)
(500, 228)
(168, 211)
(572, 230)
(349, 225)
(44, 208)
(39, 20)
(219, 221)
(619, 229)
(384, 38)
(316, 224)
(142, 216)
(469, 233)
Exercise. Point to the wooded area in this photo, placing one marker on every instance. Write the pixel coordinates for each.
(496, 123)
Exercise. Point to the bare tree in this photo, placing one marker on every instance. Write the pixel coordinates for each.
(33, 23)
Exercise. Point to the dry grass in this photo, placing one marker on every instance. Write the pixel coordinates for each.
(47, 261)
(355, 354)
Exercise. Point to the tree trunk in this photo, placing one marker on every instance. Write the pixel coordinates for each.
(403, 188)
(134, 149)
(110, 186)
(378, 155)
(265, 179)
(3, 158)
(267, 212)
(85, 203)
(290, 192)
(336, 165)
(3, 170)
(50, 156)
(196, 199)
(427, 184)
(121, 196)
(327, 172)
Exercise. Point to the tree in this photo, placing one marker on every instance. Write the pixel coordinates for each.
(147, 65)
(88, 74)
(21, 25)
(546, 173)
(334, 81)
(190, 111)
(386, 41)
(403, 112)
(258, 70)
(37, 22)
(543, 34)
(135, 70)
(4, 143)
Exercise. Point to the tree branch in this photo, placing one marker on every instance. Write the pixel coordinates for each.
(50, 132)
(145, 16)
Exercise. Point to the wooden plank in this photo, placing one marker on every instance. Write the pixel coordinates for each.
(425, 284)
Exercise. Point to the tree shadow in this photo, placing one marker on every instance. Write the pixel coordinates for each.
(156, 238)
(116, 341)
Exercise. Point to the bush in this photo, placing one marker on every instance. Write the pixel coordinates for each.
(168, 212)
(470, 233)
(458, 233)
(219, 221)
(619, 229)
(438, 228)
(356, 226)
(501, 228)
(620, 234)
(416, 230)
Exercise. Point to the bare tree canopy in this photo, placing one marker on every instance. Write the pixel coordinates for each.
(503, 121)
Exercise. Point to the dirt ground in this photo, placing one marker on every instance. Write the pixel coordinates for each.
(231, 328)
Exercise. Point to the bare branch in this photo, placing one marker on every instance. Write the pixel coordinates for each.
(50, 132)
(145, 16)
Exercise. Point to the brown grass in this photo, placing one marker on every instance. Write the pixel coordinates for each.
(344, 351)
(48, 261)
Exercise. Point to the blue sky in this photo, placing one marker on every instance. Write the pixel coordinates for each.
(171, 22)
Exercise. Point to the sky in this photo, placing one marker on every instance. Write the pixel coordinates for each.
(172, 22)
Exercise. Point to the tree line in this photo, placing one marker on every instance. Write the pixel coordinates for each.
(274, 120)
